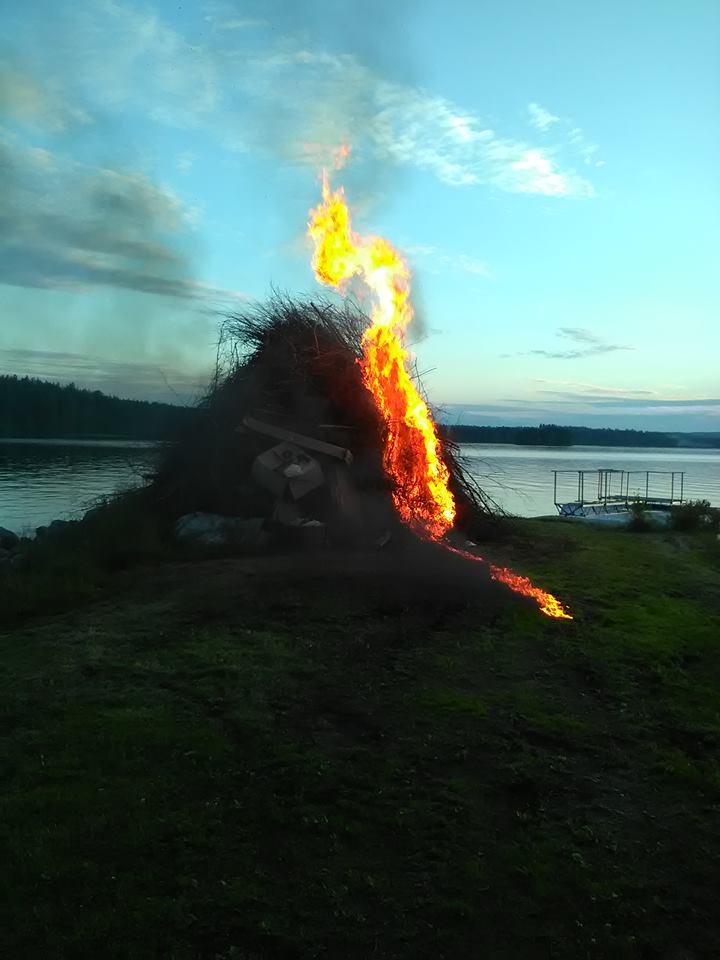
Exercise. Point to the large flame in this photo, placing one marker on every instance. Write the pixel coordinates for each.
(412, 451)
(412, 456)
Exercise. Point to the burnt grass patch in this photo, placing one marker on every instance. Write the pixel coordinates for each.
(370, 754)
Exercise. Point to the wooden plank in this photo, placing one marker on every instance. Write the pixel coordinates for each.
(310, 443)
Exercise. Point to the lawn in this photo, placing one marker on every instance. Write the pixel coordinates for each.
(300, 757)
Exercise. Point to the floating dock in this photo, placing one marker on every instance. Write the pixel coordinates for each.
(612, 491)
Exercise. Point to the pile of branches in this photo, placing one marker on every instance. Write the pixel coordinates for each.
(294, 363)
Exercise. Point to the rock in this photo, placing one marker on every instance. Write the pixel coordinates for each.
(59, 527)
(5, 556)
(309, 533)
(8, 539)
(214, 530)
(54, 529)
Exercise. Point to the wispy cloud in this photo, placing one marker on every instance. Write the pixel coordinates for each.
(566, 131)
(631, 400)
(433, 258)
(236, 23)
(592, 395)
(414, 128)
(134, 380)
(588, 344)
(224, 16)
(184, 162)
(287, 96)
(121, 229)
(29, 101)
(540, 117)
(591, 389)
(702, 416)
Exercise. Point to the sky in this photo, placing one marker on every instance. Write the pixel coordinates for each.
(549, 171)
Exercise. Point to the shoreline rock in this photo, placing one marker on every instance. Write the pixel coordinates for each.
(8, 539)
(212, 530)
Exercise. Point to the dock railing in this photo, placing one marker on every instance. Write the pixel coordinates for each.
(609, 490)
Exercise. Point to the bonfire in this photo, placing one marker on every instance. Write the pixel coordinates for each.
(359, 453)
(412, 455)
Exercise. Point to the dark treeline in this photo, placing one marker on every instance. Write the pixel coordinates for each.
(551, 435)
(36, 408)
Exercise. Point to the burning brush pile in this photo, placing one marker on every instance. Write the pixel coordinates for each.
(289, 431)
(314, 428)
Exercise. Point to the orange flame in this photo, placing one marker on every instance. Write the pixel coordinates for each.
(548, 604)
(411, 456)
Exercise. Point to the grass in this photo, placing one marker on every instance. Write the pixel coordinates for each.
(251, 759)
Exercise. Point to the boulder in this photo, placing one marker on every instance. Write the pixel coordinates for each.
(60, 527)
(8, 539)
(214, 530)
(5, 556)
(54, 529)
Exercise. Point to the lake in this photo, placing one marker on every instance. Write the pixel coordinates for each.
(520, 478)
(41, 481)
(46, 480)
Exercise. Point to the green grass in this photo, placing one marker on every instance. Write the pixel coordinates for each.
(251, 759)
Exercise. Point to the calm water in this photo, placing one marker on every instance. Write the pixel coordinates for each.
(41, 481)
(520, 478)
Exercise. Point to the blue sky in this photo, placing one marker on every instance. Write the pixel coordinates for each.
(550, 171)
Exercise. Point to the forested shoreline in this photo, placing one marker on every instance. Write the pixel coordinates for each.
(552, 435)
(37, 408)
(30, 407)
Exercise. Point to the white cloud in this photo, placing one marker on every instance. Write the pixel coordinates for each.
(472, 265)
(541, 176)
(584, 147)
(540, 117)
(292, 97)
(433, 256)
(224, 16)
(335, 98)
(238, 23)
(184, 162)
(24, 98)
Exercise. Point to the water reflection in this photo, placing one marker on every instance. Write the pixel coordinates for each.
(520, 478)
(41, 481)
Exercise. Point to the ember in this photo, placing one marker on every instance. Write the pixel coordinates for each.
(411, 456)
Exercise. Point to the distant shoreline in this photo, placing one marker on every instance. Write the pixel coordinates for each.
(682, 442)
(107, 441)
(561, 437)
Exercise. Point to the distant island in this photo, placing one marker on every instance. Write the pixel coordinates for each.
(30, 407)
(552, 435)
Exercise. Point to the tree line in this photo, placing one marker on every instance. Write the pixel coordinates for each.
(36, 408)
